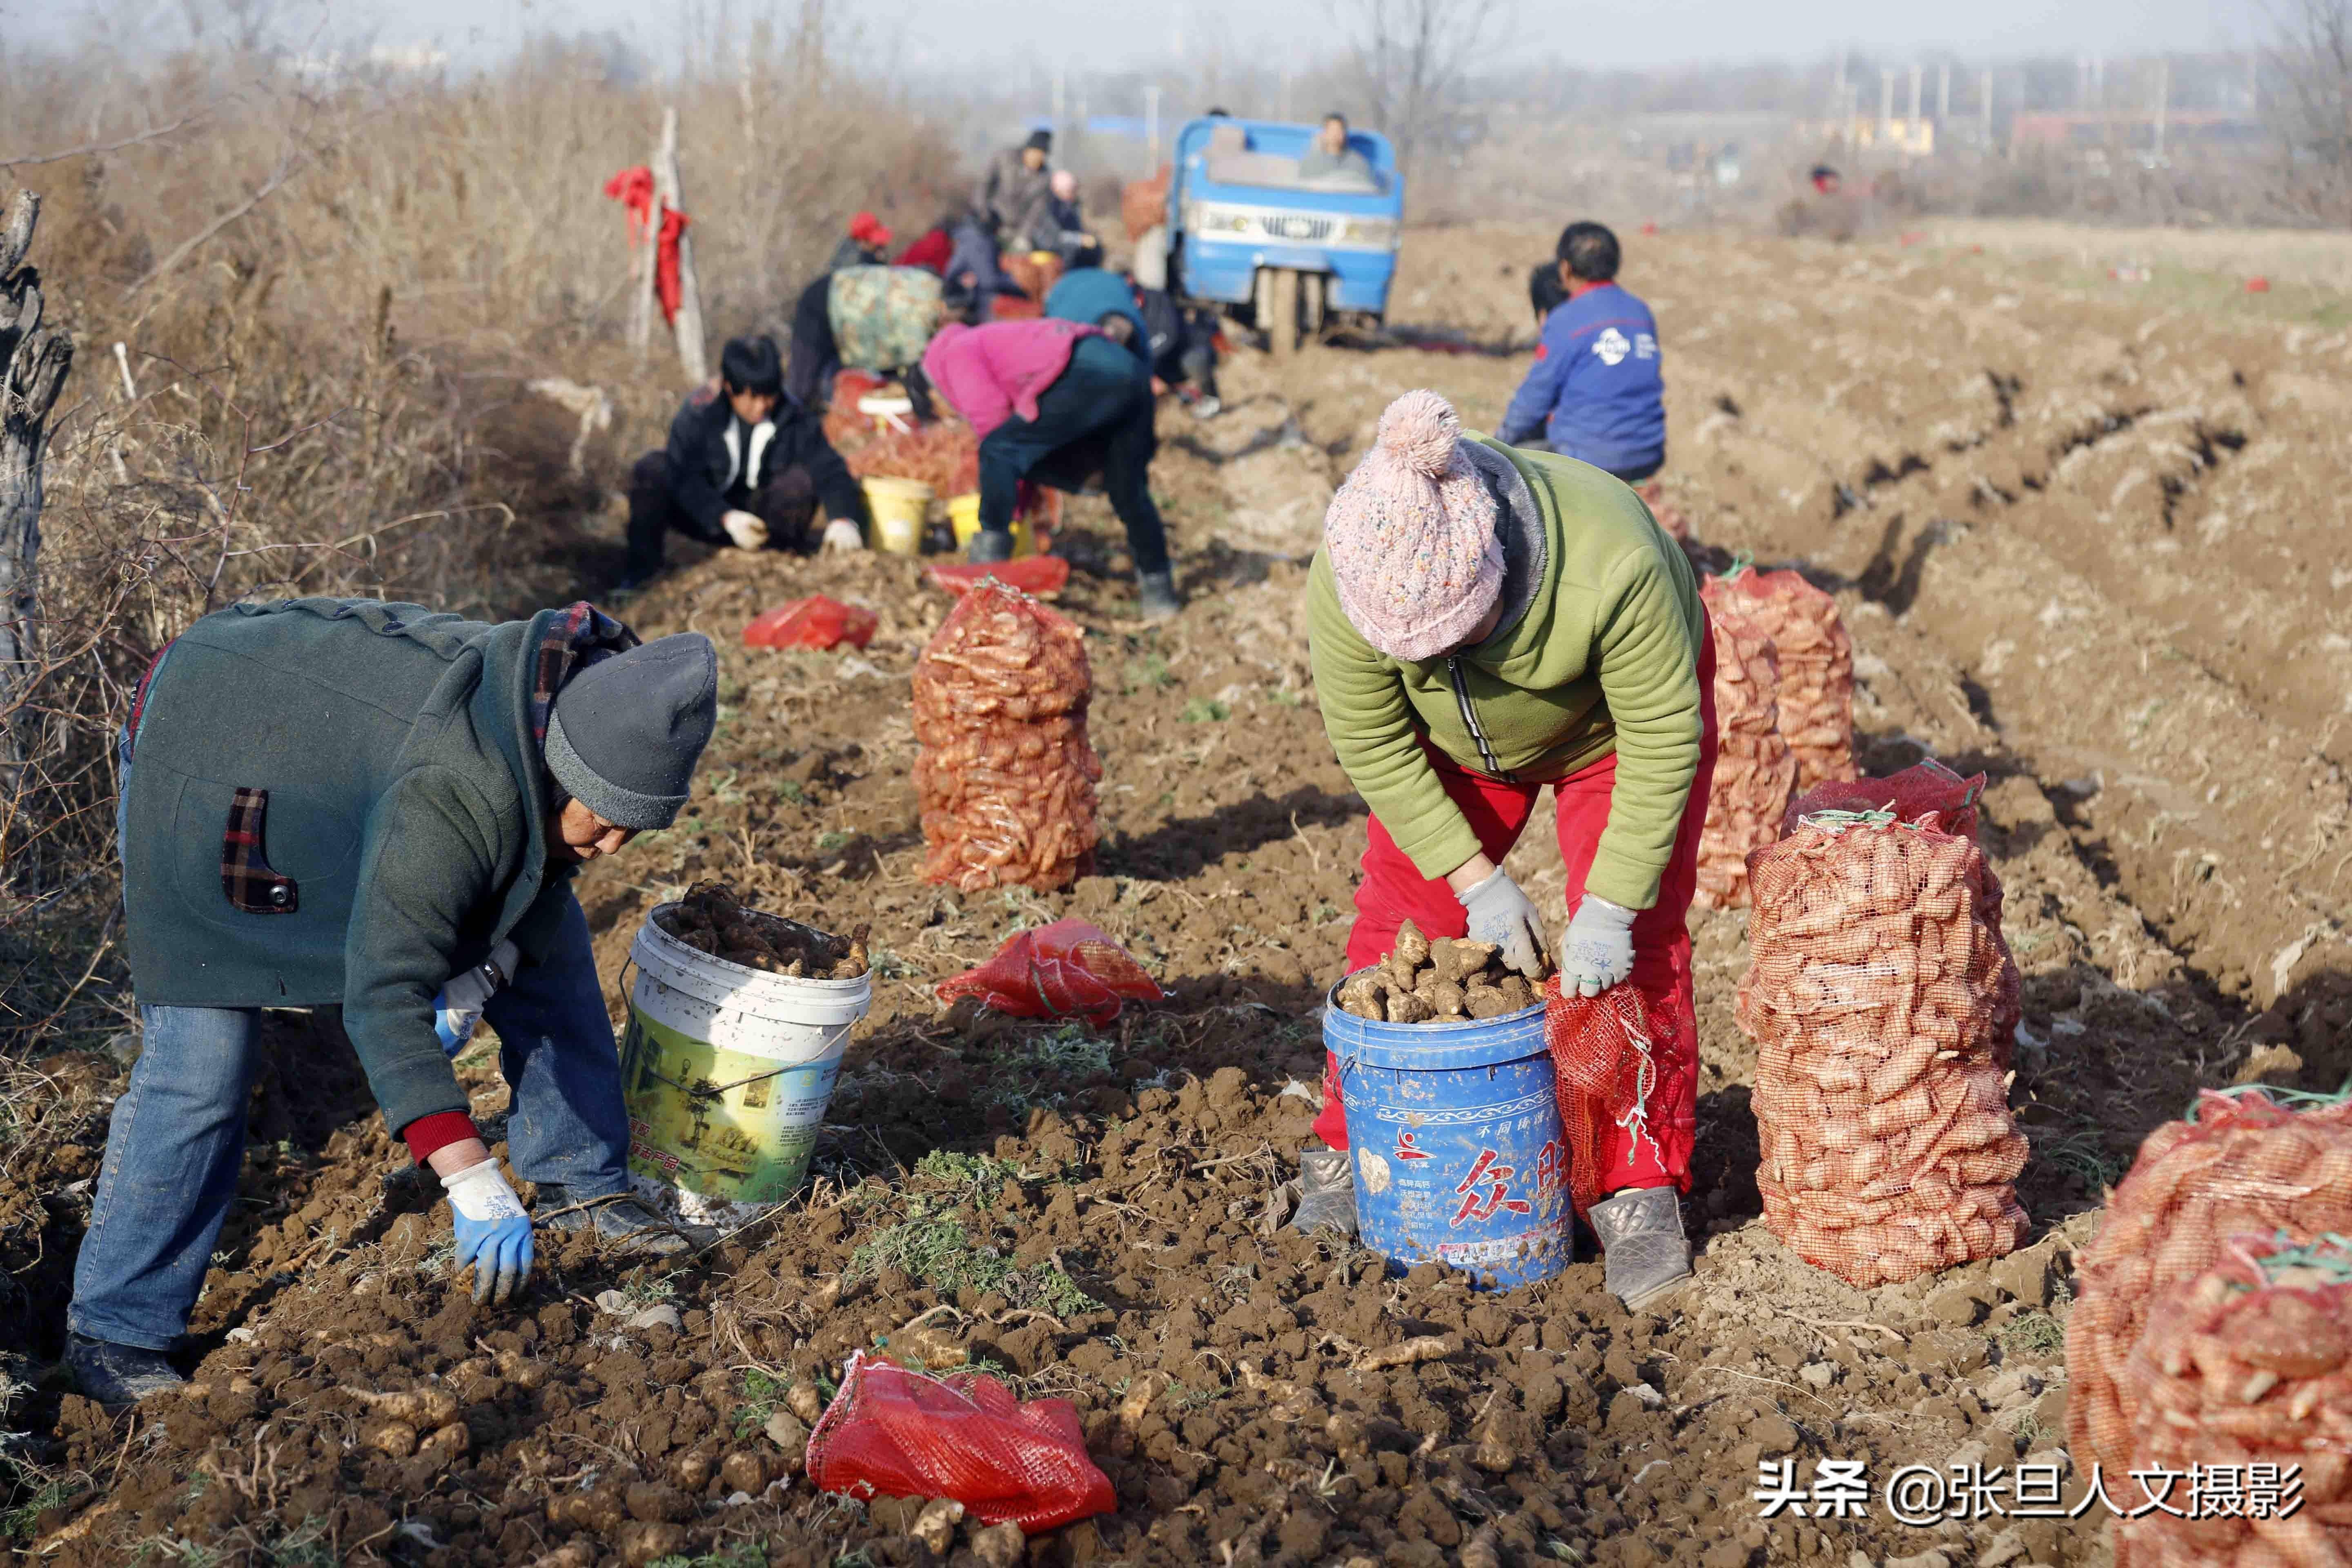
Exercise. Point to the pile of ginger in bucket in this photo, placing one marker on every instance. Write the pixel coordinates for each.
(1439, 981)
(712, 919)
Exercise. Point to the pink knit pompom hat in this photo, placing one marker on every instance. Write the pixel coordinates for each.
(1412, 535)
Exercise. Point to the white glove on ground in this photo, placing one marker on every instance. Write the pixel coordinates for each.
(746, 531)
(1598, 952)
(842, 536)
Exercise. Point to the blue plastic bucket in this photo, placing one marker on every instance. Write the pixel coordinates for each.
(1454, 1133)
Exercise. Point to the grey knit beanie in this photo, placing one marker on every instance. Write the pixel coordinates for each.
(627, 731)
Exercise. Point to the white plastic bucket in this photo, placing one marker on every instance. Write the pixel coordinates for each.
(727, 1070)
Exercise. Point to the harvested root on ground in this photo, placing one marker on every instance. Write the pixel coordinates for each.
(1441, 980)
(712, 919)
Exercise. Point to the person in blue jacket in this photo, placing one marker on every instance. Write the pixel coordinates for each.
(1101, 298)
(1596, 391)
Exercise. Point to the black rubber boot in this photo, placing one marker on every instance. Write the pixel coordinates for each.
(620, 1219)
(1156, 598)
(1644, 1255)
(989, 546)
(116, 1376)
(1327, 1196)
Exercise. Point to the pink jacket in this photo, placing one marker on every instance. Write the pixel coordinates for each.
(992, 372)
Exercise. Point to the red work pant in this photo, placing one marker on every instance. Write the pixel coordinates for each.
(1392, 891)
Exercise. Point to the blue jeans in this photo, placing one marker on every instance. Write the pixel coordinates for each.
(177, 1140)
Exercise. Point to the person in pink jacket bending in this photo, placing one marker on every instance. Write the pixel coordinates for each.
(1058, 402)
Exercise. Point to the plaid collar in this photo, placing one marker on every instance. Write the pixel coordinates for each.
(576, 637)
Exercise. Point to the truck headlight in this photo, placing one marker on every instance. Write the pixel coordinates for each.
(1378, 231)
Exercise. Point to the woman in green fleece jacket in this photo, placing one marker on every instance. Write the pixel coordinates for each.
(1485, 622)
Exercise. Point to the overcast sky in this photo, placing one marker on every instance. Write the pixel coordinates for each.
(1091, 34)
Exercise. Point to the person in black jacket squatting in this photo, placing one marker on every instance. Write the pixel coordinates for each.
(745, 464)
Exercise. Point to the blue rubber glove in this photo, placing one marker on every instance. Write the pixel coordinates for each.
(493, 1231)
(459, 1006)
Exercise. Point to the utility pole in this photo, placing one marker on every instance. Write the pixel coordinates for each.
(1984, 108)
(1885, 105)
(2163, 99)
(1061, 91)
(1943, 94)
(1152, 121)
(1911, 127)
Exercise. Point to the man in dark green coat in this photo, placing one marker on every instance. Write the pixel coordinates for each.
(348, 803)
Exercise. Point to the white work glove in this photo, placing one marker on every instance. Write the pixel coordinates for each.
(842, 536)
(1500, 913)
(746, 531)
(493, 1231)
(459, 1006)
(1598, 952)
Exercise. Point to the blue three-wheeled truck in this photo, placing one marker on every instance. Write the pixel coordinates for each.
(1298, 257)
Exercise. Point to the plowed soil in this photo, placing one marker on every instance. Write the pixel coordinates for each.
(2083, 544)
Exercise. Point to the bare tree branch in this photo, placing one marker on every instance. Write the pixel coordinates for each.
(1411, 58)
(291, 165)
(155, 135)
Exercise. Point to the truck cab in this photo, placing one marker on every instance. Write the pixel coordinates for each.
(1292, 255)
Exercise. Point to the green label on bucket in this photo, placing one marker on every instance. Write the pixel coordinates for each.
(721, 1123)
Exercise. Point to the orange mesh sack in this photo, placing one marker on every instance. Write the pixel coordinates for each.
(2246, 1161)
(1068, 969)
(1877, 993)
(1754, 773)
(1005, 779)
(1607, 1052)
(1816, 689)
(2243, 1375)
(894, 1432)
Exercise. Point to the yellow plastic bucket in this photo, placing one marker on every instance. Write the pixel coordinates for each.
(899, 506)
(963, 516)
(726, 1071)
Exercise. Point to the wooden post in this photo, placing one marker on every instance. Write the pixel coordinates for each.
(33, 365)
(687, 328)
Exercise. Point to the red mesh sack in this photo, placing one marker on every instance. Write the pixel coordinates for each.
(1882, 996)
(2243, 1364)
(1143, 204)
(1754, 773)
(1068, 969)
(894, 1432)
(1670, 517)
(1923, 787)
(816, 622)
(1042, 575)
(2246, 1161)
(1606, 1052)
(1005, 778)
(1816, 688)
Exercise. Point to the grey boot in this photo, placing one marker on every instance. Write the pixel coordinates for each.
(116, 1376)
(989, 546)
(1645, 1254)
(1326, 1199)
(1156, 598)
(620, 1219)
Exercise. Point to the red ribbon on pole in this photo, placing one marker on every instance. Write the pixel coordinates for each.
(634, 189)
